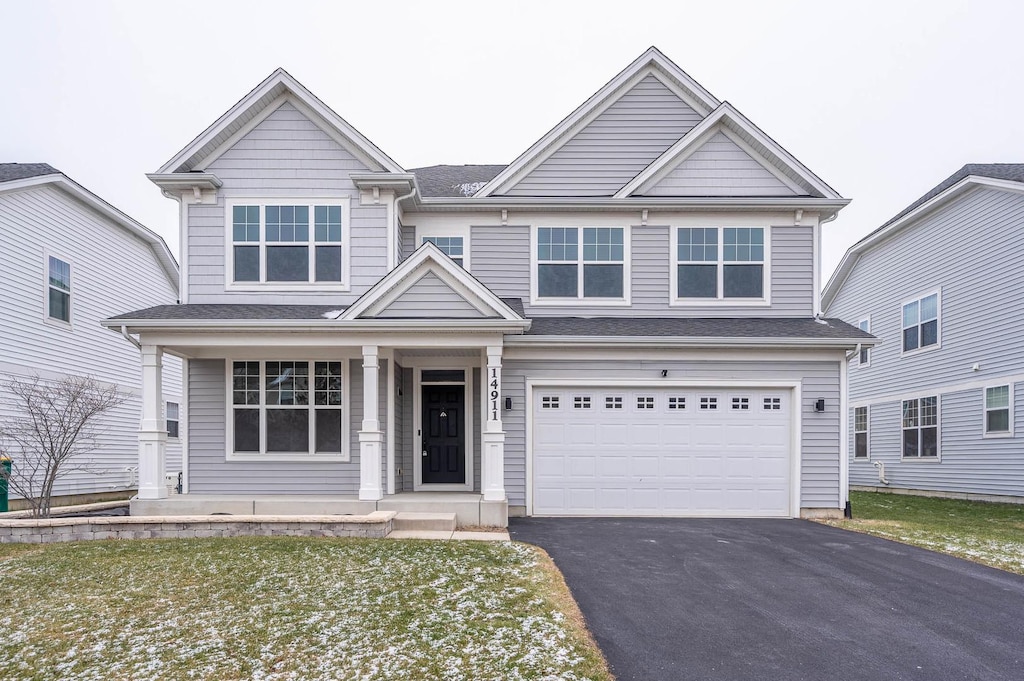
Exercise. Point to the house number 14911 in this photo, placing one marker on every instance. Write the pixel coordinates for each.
(495, 391)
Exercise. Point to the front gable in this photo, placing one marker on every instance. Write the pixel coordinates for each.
(427, 297)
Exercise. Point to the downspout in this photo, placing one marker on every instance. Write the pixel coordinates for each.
(881, 472)
(128, 337)
(183, 252)
(395, 228)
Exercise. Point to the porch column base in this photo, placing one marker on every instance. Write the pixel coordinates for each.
(493, 472)
(152, 464)
(370, 446)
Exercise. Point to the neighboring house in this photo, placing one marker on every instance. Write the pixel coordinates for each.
(68, 260)
(621, 322)
(934, 406)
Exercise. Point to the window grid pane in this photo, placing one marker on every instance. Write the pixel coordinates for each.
(743, 244)
(287, 223)
(558, 244)
(602, 244)
(698, 244)
(327, 224)
(245, 383)
(60, 274)
(245, 224)
(998, 397)
(327, 384)
(287, 383)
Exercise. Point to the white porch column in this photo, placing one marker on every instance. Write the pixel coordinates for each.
(152, 428)
(370, 435)
(492, 475)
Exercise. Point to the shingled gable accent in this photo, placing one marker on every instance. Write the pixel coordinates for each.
(737, 128)
(279, 87)
(651, 64)
(429, 260)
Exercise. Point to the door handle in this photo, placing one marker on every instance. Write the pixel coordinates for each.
(424, 452)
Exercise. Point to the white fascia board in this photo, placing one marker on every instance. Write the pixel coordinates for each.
(315, 326)
(684, 342)
(67, 185)
(601, 203)
(724, 115)
(430, 255)
(402, 182)
(652, 59)
(184, 181)
(301, 94)
(853, 253)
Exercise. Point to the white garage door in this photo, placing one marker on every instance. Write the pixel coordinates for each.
(660, 451)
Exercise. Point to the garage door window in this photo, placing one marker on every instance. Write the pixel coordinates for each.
(581, 402)
(613, 403)
(741, 403)
(677, 403)
(645, 403)
(549, 402)
(772, 404)
(709, 403)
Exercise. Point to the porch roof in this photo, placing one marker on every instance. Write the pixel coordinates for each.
(240, 312)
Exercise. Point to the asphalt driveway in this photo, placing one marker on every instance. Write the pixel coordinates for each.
(766, 600)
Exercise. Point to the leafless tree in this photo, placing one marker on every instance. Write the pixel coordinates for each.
(55, 424)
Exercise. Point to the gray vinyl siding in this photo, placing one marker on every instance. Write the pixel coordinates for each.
(968, 462)
(720, 168)
(211, 473)
(403, 429)
(972, 250)
(430, 297)
(820, 431)
(408, 240)
(112, 272)
(614, 147)
(285, 156)
(501, 261)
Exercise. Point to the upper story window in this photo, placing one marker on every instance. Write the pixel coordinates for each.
(58, 287)
(452, 246)
(289, 244)
(865, 353)
(921, 323)
(999, 410)
(581, 263)
(720, 263)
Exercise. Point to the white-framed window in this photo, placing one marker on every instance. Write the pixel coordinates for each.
(288, 244)
(860, 433)
(921, 428)
(172, 419)
(291, 409)
(720, 264)
(921, 323)
(452, 246)
(58, 289)
(864, 358)
(589, 264)
(999, 411)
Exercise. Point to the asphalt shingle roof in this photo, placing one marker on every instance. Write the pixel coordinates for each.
(235, 312)
(454, 181)
(20, 171)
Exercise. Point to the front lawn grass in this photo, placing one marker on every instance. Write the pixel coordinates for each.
(288, 608)
(992, 534)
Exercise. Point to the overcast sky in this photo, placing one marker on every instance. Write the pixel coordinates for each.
(881, 99)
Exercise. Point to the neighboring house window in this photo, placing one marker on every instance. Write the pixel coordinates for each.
(291, 407)
(860, 433)
(998, 413)
(921, 428)
(719, 263)
(59, 290)
(596, 271)
(865, 353)
(287, 244)
(172, 419)
(449, 245)
(921, 323)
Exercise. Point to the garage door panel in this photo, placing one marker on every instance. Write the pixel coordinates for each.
(657, 452)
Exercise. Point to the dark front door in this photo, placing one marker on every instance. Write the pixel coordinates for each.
(444, 434)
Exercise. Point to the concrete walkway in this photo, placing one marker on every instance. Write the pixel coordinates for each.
(457, 535)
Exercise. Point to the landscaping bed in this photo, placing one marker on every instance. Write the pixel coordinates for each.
(992, 534)
(288, 608)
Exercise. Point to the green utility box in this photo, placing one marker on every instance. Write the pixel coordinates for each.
(5, 462)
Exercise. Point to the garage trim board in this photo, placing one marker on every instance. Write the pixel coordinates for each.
(727, 389)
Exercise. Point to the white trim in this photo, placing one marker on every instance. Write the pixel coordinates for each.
(949, 389)
(651, 62)
(719, 301)
(264, 286)
(47, 319)
(919, 427)
(844, 433)
(796, 406)
(860, 322)
(996, 435)
(185, 483)
(466, 365)
(853, 411)
(852, 254)
(937, 292)
(285, 457)
(580, 300)
(388, 355)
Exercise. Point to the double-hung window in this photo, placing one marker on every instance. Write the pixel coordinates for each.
(58, 305)
(921, 428)
(288, 408)
(865, 353)
(288, 244)
(860, 433)
(921, 323)
(716, 263)
(582, 263)
(173, 419)
(998, 410)
(452, 246)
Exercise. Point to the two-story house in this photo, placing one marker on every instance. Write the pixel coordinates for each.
(622, 321)
(933, 407)
(69, 260)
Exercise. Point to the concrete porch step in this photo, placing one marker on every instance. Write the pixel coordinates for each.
(416, 521)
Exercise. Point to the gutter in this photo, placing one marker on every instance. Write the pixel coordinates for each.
(682, 342)
(434, 326)
(651, 203)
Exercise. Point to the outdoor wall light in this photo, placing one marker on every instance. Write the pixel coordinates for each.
(508, 404)
(819, 404)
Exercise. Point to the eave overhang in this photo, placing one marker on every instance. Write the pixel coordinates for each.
(176, 182)
(690, 342)
(315, 326)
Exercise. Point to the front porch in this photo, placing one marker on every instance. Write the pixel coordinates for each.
(470, 509)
